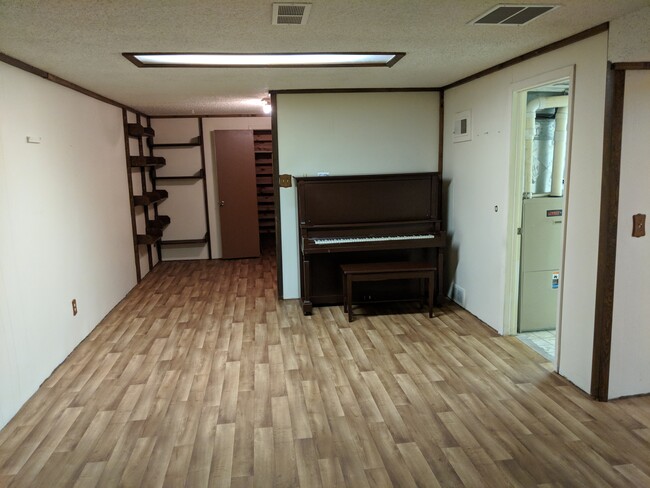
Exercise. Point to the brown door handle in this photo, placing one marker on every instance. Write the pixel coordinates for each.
(222, 203)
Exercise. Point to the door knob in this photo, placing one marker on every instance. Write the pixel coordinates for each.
(222, 203)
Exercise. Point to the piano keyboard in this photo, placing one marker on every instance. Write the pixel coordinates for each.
(343, 240)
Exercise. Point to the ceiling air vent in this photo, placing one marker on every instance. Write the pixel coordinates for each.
(512, 14)
(290, 13)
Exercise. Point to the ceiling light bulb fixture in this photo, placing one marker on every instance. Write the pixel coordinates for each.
(266, 106)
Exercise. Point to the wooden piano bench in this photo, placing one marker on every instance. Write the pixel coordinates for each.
(386, 271)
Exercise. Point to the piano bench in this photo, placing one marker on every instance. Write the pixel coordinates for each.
(386, 271)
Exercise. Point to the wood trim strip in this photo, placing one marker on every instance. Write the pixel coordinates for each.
(640, 65)
(134, 229)
(60, 81)
(205, 189)
(276, 195)
(613, 133)
(206, 116)
(153, 182)
(532, 54)
(355, 90)
(143, 182)
(17, 63)
(441, 133)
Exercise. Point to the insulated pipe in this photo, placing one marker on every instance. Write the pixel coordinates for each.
(531, 111)
(559, 152)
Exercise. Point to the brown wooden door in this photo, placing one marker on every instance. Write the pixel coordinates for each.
(237, 199)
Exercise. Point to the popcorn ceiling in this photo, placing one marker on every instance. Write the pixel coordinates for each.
(82, 41)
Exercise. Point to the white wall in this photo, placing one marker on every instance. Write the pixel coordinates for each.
(349, 133)
(222, 123)
(630, 362)
(65, 228)
(477, 173)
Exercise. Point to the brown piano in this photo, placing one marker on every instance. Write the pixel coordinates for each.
(363, 219)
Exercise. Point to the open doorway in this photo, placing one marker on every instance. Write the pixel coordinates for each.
(541, 137)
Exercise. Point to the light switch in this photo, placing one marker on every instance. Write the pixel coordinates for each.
(638, 230)
(285, 181)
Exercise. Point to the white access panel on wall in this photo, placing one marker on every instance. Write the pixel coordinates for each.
(541, 257)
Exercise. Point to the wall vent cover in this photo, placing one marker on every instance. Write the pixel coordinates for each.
(512, 14)
(290, 13)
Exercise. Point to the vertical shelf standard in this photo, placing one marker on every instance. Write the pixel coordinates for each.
(149, 196)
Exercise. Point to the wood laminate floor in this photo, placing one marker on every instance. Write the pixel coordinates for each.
(201, 377)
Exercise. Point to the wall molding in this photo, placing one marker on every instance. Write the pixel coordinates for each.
(16, 63)
(580, 36)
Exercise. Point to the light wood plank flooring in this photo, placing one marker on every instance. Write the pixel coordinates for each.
(201, 377)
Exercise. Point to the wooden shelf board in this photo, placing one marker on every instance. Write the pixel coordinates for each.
(146, 162)
(150, 198)
(138, 130)
(152, 235)
(159, 222)
(179, 242)
(176, 144)
(198, 176)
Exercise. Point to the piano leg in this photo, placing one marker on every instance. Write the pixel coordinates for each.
(306, 288)
(430, 287)
(441, 260)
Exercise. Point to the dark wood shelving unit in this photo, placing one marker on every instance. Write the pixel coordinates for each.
(180, 242)
(150, 197)
(159, 222)
(193, 142)
(144, 166)
(151, 237)
(198, 176)
(263, 149)
(146, 162)
(197, 141)
(138, 130)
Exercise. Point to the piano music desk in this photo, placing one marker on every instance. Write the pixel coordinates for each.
(386, 271)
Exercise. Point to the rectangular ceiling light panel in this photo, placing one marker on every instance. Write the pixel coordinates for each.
(512, 14)
(277, 60)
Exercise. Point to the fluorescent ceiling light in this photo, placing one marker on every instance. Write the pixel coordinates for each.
(279, 60)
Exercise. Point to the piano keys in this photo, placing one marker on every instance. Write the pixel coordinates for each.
(365, 218)
(344, 240)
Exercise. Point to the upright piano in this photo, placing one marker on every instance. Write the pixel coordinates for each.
(362, 219)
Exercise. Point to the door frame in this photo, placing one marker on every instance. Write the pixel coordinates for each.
(516, 187)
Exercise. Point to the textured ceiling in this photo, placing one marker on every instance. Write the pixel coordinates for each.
(82, 41)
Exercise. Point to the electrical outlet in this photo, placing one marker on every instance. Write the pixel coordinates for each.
(74, 306)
